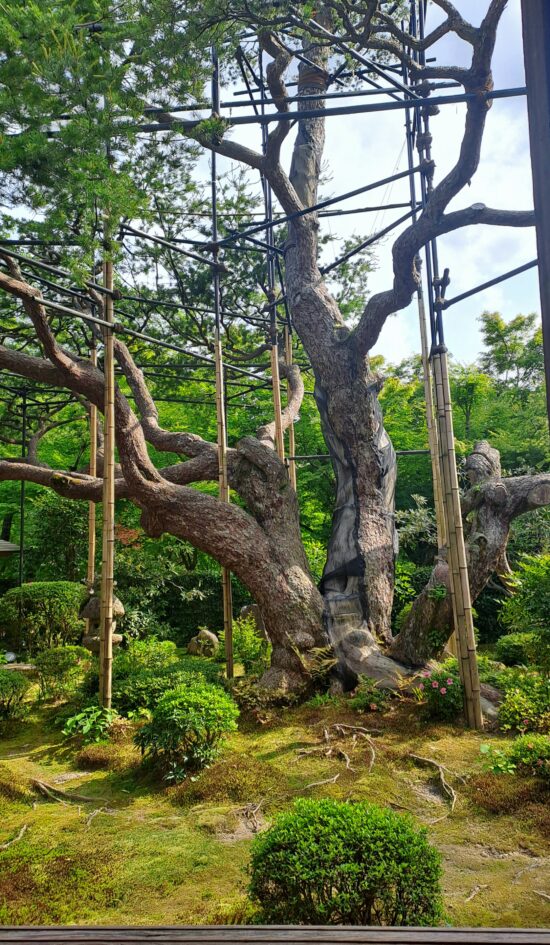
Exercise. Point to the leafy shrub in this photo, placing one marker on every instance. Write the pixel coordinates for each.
(528, 608)
(526, 703)
(443, 692)
(527, 755)
(146, 670)
(13, 686)
(144, 689)
(328, 863)
(531, 755)
(38, 616)
(369, 696)
(59, 668)
(187, 727)
(514, 649)
(91, 724)
(249, 647)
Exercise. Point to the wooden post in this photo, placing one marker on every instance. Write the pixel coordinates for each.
(536, 46)
(108, 500)
(276, 385)
(433, 442)
(227, 593)
(90, 570)
(291, 434)
(224, 494)
(458, 569)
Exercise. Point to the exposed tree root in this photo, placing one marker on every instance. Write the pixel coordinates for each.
(446, 789)
(56, 794)
(19, 836)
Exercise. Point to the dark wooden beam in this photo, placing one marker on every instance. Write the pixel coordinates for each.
(268, 935)
(536, 47)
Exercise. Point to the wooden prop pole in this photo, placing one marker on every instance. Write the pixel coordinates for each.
(225, 497)
(276, 385)
(291, 433)
(227, 593)
(458, 569)
(90, 569)
(108, 503)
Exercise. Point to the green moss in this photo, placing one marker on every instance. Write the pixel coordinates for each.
(148, 861)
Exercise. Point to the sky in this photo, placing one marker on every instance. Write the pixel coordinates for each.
(364, 148)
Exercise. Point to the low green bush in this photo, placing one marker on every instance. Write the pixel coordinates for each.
(146, 670)
(526, 703)
(36, 617)
(59, 669)
(249, 647)
(329, 863)
(369, 696)
(143, 689)
(13, 686)
(531, 755)
(527, 755)
(515, 649)
(443, 692)
(92, 724)
(187, 727)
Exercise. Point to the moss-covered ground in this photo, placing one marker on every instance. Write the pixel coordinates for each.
(138, 853)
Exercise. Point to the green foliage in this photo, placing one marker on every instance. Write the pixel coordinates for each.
(91, 724)
(13, 686)
(529, 607)
(369, 696)
(514, 649)
(60, 668)
(531, 755)
(443, 692)
(527, 755)
(187, 727)
(329, 863)
(416, 524)
(526, 704)
(147, 669)
(41, 615)
(249, 647)
(57, 538)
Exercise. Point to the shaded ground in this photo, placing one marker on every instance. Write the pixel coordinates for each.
(137, 853)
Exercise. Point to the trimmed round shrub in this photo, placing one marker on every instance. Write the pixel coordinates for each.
(328, 862)
(443, 693)
(13, 686)
(59, 668)
(36, 617)
(514, 649)
(187, 727)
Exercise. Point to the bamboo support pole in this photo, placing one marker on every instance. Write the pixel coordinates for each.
(433, 442)
(291, 433)
(108, 501)
(460, 587)
(223, 481)
(90, 569)
(277, 408)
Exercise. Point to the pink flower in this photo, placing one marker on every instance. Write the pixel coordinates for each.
(435, 685)
(449, 682)
(421, 686)
(426, 672)
(443, 690)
